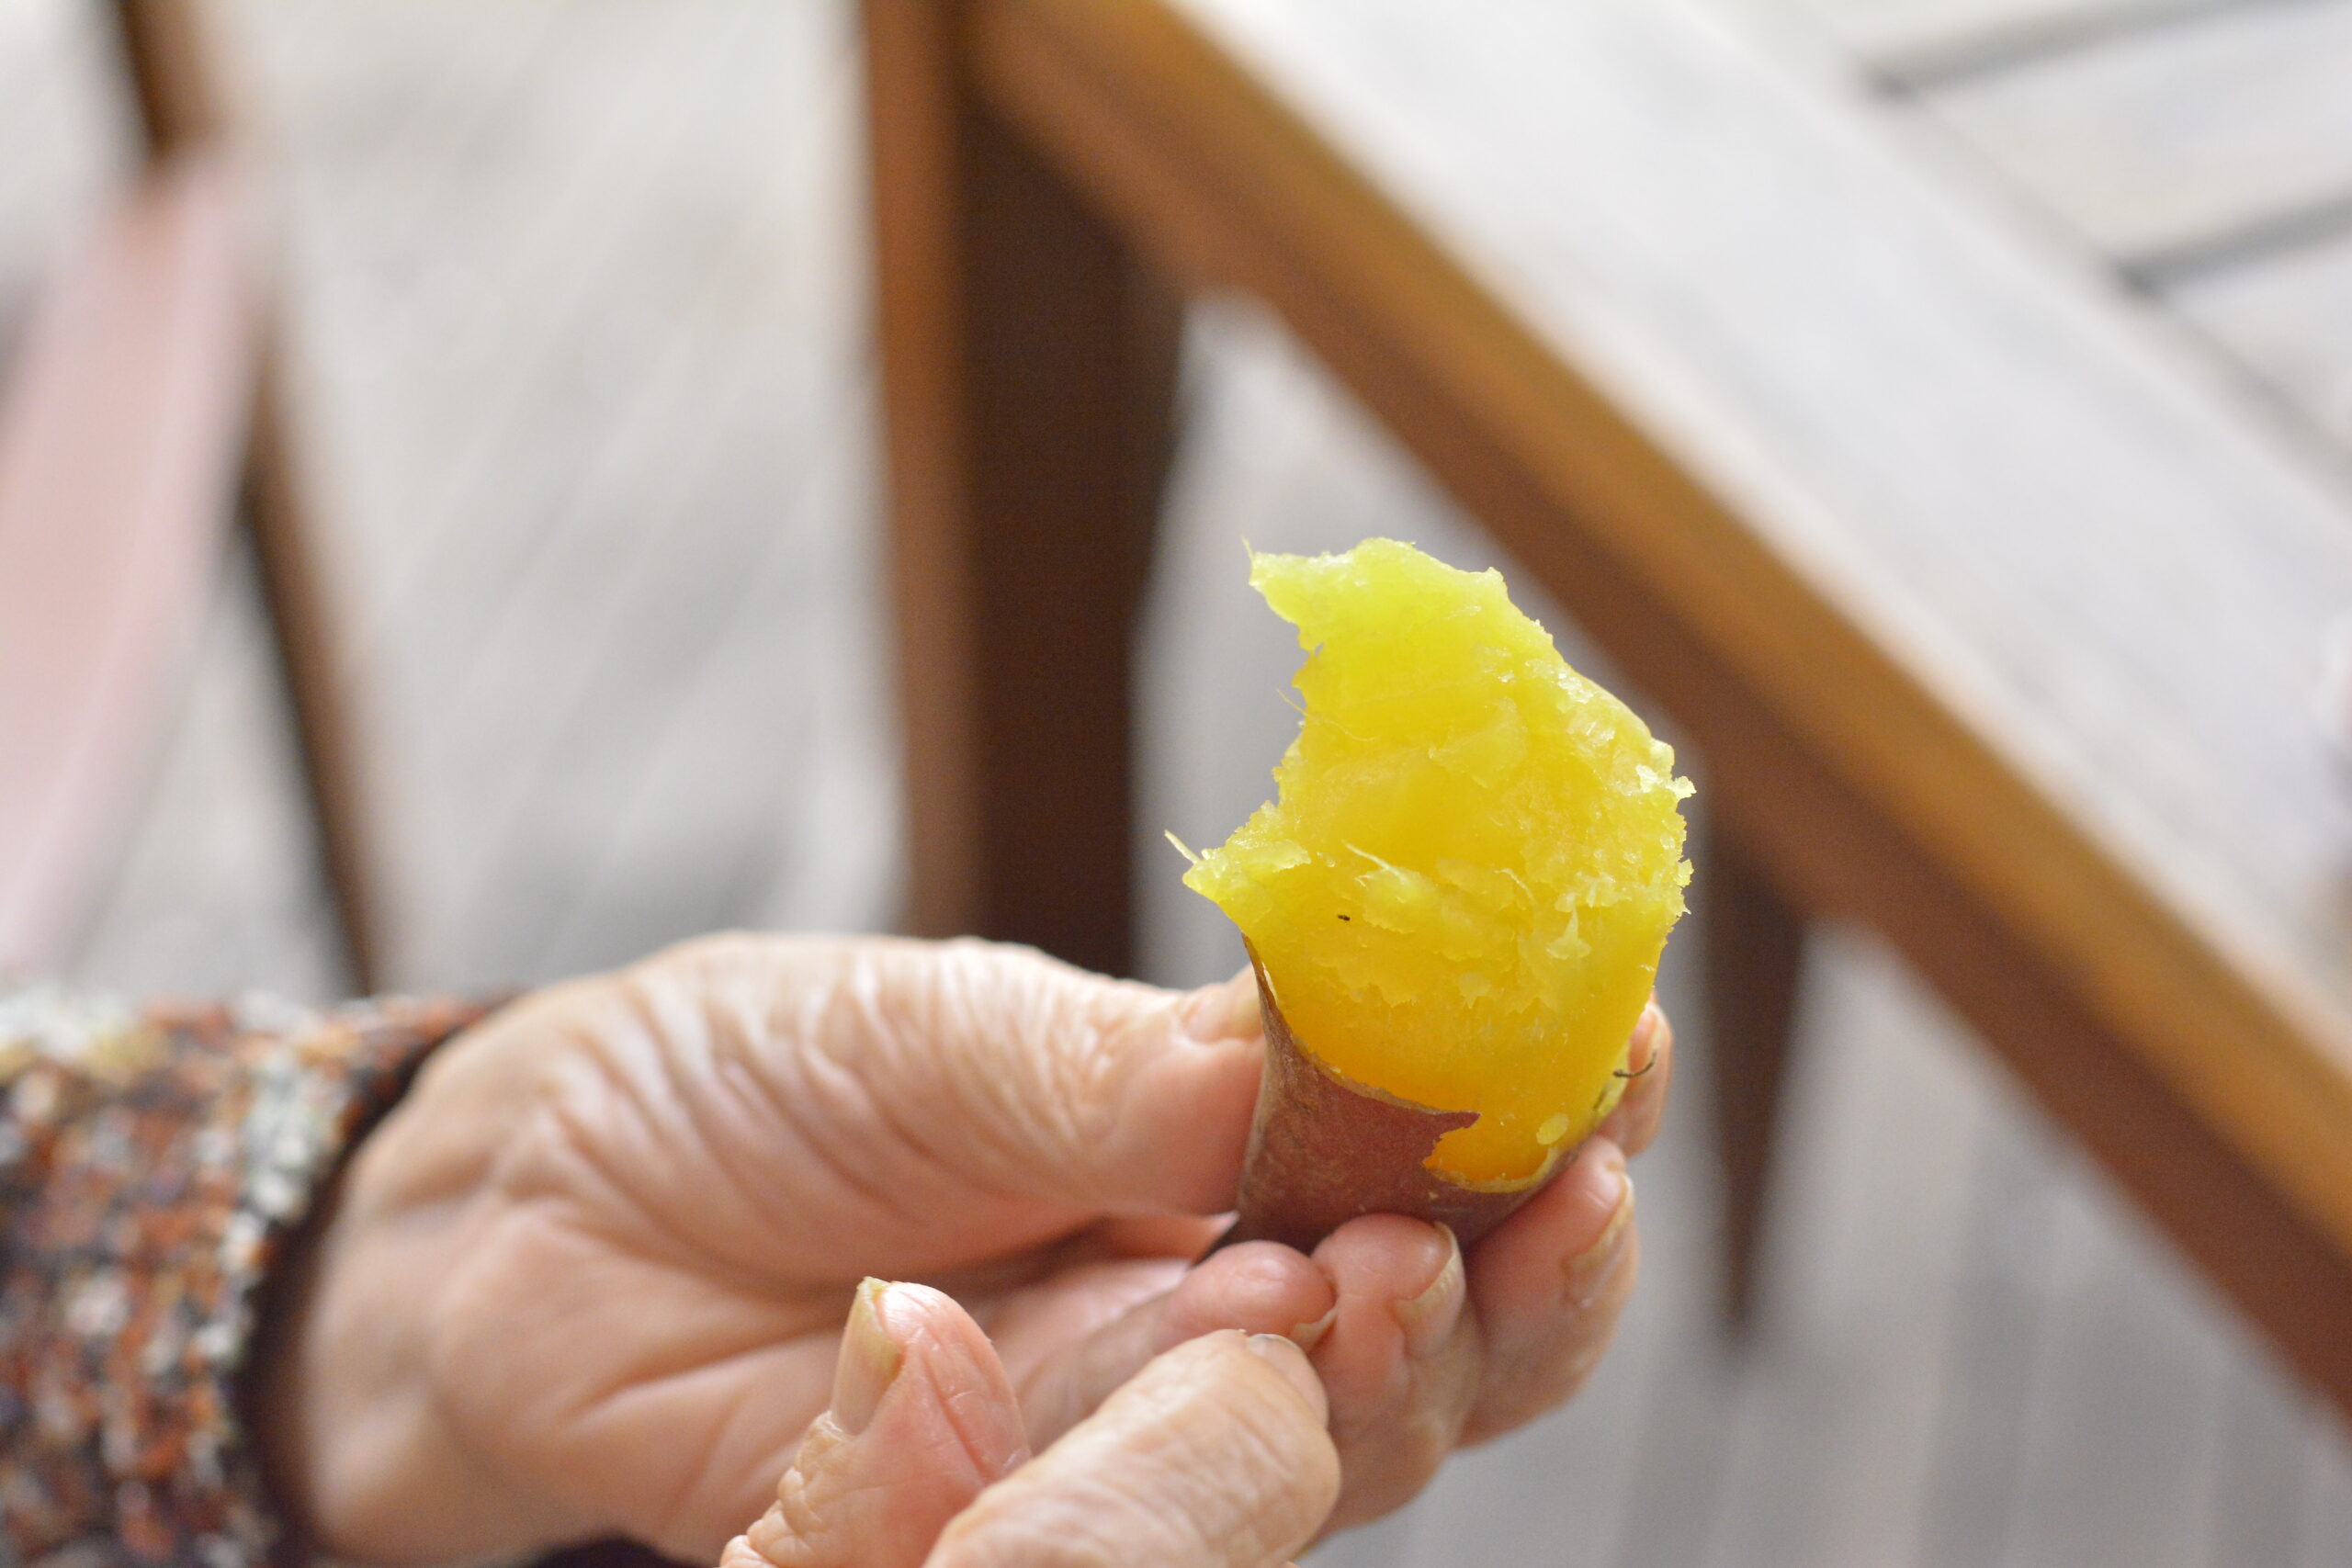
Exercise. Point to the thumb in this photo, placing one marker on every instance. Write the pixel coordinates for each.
(922, 1420)
(1013, 1072)
(1068, 1087)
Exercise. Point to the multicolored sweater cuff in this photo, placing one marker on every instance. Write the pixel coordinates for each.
(154, 1165)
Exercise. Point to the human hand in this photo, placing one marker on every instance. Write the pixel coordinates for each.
(1217, 1453)
(592, 1277)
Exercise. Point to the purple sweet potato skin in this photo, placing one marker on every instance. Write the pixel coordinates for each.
(1323, 1151)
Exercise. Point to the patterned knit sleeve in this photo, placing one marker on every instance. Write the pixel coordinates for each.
(153, 1165)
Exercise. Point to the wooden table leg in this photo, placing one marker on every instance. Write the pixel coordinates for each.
(1029, 365)
(311, 661)
(1754, 943)
(175, 80)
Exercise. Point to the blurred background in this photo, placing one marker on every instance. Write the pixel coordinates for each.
(577, 301)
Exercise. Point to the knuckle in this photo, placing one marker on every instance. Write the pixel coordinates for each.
(1208, 1456)
(1026, 1544)
(1389, 1465)
(1536, 1386)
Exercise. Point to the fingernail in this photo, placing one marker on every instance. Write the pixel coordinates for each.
(1291, 1361)
(1589, 1270)
(1644, 1041)
(1228, 1010)
(1430, 1317)
(1306, 1336)
(869, 1359)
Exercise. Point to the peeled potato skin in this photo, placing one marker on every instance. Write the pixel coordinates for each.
(1323, 1150)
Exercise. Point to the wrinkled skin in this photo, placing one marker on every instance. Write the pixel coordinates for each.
(593, 1277)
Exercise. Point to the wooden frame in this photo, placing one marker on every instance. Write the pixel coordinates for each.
(1845, 785)
(152, 383)
(183, 103)
(1030, 359)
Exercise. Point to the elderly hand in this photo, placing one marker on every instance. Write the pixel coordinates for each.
(593, 1277)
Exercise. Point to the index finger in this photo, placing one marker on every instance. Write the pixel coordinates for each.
(1214, 1456)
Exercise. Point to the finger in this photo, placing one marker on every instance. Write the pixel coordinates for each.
(1214, 1456)
(1548, 1287)
(1256, 1288)
(1401, 1360)
(986, 1088)
(1633, 1126)
(1073, 1088)
(923, 1421)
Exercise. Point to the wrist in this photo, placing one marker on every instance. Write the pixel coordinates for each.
(275, 1394)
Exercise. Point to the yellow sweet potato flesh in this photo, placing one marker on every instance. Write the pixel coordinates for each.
(1462, 891)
